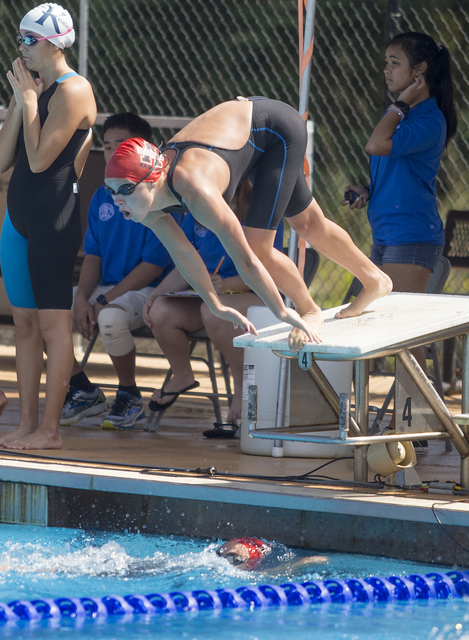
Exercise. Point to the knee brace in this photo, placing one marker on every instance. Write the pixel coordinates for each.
(114, 326)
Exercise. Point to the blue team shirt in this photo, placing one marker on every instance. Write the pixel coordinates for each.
(122, 244)
(403, 207)
(211, 249)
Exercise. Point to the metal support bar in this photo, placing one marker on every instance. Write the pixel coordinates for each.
(362, 370)
(252, 407)
(83, 38)
(465, 376)
(325, 388)
(277, 450)
(356, 441)
(458, 438)
(439, 408)
(344, 415)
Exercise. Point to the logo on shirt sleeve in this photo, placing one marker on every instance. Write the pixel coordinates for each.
(106, 211)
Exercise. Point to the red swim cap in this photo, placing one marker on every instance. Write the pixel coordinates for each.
(255, 547)
(134, 158)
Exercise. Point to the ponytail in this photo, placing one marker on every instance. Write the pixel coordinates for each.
(419, 48)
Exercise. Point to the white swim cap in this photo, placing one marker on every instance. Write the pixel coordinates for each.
(52, 21)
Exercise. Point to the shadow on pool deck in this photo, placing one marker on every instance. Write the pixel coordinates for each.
(247, 494)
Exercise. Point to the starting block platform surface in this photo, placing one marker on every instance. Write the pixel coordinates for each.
(399, 319)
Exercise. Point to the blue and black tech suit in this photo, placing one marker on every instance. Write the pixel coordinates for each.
(41, 233)
(272, 158)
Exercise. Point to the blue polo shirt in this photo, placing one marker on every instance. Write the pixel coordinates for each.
(122, 244)
(403, 207)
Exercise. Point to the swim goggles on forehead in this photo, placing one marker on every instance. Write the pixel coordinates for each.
(129, 187)
(32, 40)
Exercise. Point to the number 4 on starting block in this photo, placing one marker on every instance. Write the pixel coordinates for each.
(412, 411)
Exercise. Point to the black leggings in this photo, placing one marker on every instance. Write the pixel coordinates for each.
(279, 185)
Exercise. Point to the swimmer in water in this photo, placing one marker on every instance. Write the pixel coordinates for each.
(252, 554)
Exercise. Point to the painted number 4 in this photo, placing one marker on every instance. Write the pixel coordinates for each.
(407, 413)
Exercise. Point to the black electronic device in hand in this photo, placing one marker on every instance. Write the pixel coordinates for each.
(350, 196)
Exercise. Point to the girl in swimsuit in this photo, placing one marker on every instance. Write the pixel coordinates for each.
(47, 137)
(201, 167)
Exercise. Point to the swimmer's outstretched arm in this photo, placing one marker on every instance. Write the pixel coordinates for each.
(192, 267)
(211, 210)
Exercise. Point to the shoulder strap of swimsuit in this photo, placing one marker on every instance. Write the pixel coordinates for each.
(179, 148)
(67, 75)
(169, 176)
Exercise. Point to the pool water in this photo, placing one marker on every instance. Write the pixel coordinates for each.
(49, 563)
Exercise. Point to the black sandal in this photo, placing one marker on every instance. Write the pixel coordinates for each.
(224, 430)
(154, 405)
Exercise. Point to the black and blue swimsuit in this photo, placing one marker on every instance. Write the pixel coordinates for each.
(272, 158)
(41, 233)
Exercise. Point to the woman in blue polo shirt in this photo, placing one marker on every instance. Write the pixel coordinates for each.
(406, 148)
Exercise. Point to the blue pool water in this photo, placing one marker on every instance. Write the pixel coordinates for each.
(40, 563)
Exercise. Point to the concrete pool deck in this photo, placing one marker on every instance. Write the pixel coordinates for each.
(178, 482)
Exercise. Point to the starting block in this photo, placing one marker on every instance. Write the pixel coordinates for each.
(391, 326)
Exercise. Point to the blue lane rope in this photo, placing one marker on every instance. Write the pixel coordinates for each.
(431, 586)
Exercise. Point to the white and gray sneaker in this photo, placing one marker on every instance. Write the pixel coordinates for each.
(81, 404)
(125, 411)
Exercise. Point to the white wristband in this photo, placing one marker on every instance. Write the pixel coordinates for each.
(397, 110)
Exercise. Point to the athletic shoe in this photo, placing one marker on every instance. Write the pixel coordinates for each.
(125, 411)
(81, 404)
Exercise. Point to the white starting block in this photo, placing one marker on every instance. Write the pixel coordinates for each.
(389, 327)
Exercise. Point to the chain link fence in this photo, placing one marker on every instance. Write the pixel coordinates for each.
(181, 57)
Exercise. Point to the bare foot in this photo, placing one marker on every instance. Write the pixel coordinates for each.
(3, 402)
(298, 338)
(174, 385)
(37, 440)
(377, 289)
(234, 412)
(21, 432)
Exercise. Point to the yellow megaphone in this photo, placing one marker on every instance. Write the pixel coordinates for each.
(388, 457)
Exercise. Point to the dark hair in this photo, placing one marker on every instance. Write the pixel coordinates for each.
(419, 47)
(137, 126)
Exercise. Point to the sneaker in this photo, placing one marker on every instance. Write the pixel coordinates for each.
(81, 404)
(125, 411)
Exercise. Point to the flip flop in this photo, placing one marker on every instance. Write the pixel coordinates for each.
(154, 405)
(226, 430)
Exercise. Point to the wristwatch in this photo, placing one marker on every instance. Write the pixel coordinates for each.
(101, 300)
(403, 106)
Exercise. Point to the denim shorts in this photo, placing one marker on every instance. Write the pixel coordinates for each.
(423, 255)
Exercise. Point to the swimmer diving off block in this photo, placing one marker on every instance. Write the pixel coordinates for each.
(200, 169)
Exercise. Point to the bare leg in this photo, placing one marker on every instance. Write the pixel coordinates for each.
(56, 329)
(221, 333)
(334, 243)
(76, 367)
(288, 280)
(125, 368)
(29, 359)
(170, 319)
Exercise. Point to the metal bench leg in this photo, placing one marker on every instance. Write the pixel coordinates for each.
(89, 349)
(213, 378)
